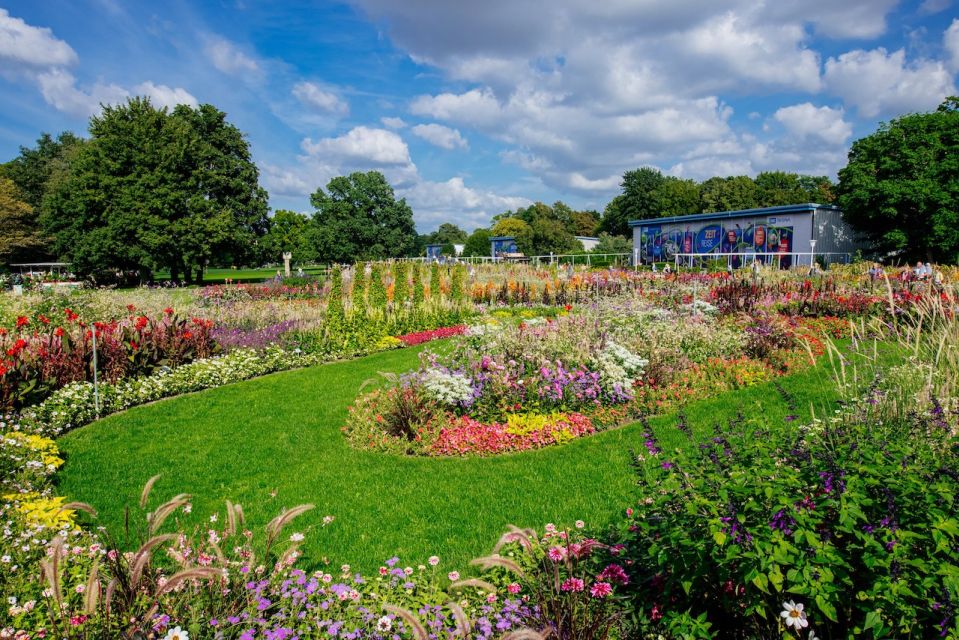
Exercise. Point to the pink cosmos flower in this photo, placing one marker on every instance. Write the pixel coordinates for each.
(601, 590)
(556, 554)
(453, 576)
(572, 584)
(513, 588)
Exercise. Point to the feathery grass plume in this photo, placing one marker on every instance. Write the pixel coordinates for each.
(407, 616)
(92, 590)
(196, 573)
(462, 620)
(496, 560)
(108, 597)
(147, 488)
(240, 516)
(473, 582)
(50, 569)
(163, 512)
(230, 519)
(219, 553)
(523, 536)
(526, 634)
(143, 556)
(78, 506)
(276, 524)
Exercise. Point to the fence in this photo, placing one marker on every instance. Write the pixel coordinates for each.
(737, 260)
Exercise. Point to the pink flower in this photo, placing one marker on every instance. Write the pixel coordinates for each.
(514, 588)
(573, 584)
(453, 576)
(615, 574)
(601, 590)
(556, 554)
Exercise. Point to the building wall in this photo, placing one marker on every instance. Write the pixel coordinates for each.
(832, 235)
(789, 233)
(589, 243)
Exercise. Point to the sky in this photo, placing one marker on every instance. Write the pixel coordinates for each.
(474, 108)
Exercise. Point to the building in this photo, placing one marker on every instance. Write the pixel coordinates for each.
(501, 246)
(786, 236)
(589, 242)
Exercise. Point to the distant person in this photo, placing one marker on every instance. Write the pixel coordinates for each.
(655, 270)
(666, 269)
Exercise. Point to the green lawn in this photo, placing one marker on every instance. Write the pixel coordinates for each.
(219, 276)
(280, 435)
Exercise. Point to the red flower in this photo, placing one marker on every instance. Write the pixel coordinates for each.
(134, 345)
(44, 319)
(70, 315)
(22, 321)
(168, 311)
(141, 322)
(131, 308)
(58, 332)
(187, 335)
(568, 307)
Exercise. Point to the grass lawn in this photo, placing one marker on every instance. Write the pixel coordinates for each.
(219, 276)
(274, 442)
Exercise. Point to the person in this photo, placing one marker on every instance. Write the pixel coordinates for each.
(920, 271)
(654, 268)
(666, 269)
(937, 279)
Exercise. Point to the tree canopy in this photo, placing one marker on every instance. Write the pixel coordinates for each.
(478, 243)
(359, 218)
(289, 231)
(19, 237)
(153, 189)
(900, 188)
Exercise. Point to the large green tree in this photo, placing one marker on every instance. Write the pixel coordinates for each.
(478, 244)
(359, 218)
(288, 232)
(677, 197)
(518, 229)
(900, 188)
(32, 171)
(729, 194)
(20, 238)
(154, 189)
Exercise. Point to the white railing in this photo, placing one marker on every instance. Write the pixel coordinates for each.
(780, 260)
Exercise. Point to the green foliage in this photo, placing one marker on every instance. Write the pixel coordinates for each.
(155, 189)
(20, 239)
(359, 218)
(677, 197)
(458, 293)
(517, 229)
(418, 273)
(288, 232)
(334, 308)
(478, 244)
(401, 283)
(853, 517)
(639, 195)
(435, 281)
(377, 294)
(615, 220)
(447, 233)
(729, 194)
(613, 244)
(900, 188)
(361, 284)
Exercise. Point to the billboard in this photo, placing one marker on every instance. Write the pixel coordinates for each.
(737, 238)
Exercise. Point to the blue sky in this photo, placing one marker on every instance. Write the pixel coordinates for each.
(474, 108)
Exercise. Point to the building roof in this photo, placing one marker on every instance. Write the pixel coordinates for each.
(807, 207)
(502, 238)
(586, 238)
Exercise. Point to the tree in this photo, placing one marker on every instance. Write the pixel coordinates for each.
(614, 217)
(288, 232)
(777, 188)
(678, 197)
(638, 201)
(613, 244)
(31, 172)
(157, 189)
(359, 218)
(900, 188)
(551, 236)
(477, 244)
(518, 229)
(583, 223)
(819, 189)
(729, 194)
(19, 237)
(447, 233)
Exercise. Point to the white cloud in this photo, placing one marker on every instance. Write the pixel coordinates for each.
(950, 41)
(285, 182)
(880, 83)
(59, 89)
(393, 123)
(440, 136)
(581, 183)
(378, 147)
(163, 96)
(228, 58)
(807, 121)
(437, 202)
(476, 106)
(22, 44)
(315, 97)
(929, 7)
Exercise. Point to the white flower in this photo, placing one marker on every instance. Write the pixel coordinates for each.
(384, 624)
(580, 524)
(327, 520)
(176, 633)
(794, 615)
(296, 537)
(447, 388)
(213, 518)
(434, 560)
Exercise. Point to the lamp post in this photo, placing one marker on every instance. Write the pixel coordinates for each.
(812, 253)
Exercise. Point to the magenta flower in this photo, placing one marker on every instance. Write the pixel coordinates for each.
(601, 590)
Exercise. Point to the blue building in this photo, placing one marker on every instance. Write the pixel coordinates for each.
(502, 245)
(786, 235)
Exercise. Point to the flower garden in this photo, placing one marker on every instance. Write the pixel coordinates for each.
(621, 454)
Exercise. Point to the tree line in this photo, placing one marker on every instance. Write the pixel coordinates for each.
(177, 190)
